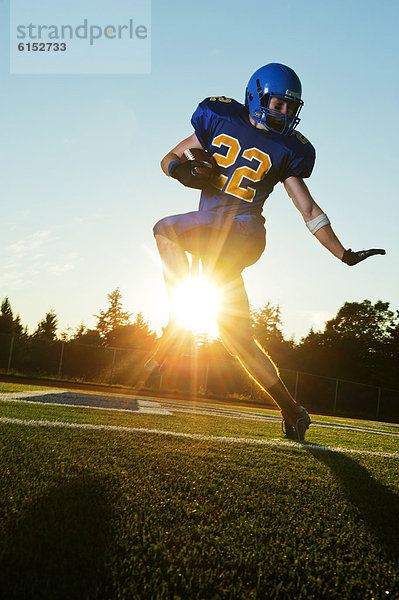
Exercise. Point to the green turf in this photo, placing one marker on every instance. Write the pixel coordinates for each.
(6, 388)
(197, 423)
(112, 515)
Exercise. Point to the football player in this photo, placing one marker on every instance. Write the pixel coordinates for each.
(256, 145)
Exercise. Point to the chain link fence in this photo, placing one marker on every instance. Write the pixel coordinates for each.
(192, 375)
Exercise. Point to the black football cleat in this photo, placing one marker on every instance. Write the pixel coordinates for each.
(295, 423)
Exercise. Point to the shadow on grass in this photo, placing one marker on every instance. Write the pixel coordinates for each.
(377, 504)
(57, 548)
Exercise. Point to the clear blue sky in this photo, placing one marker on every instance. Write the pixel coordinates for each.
(81, 186)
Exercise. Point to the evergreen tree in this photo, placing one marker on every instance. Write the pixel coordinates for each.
(9, 324)
(47, 327)
(143, 334)
(90, 337)
(6, 317)
(267, 330)
(113, 318)
(135, 335)
(267, 324)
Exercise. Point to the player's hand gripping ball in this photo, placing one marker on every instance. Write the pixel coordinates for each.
(195, 169)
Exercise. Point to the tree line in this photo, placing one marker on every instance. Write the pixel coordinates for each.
(115, 327)
(361, 343)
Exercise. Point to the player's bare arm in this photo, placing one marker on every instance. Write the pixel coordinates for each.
(319, 224)
(299, 193)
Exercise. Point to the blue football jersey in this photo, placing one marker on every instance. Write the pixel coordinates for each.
(251, 161)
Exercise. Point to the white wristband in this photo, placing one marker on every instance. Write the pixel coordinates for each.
(317, 223)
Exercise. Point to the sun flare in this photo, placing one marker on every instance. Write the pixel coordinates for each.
(195, 305)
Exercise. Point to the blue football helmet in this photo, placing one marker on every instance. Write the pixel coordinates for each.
(274, 80)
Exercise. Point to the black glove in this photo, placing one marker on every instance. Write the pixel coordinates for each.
(352, 258)
(185, 173)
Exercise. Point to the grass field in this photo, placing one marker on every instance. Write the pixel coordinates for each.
(112, 512)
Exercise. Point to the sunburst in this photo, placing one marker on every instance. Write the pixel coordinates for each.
(195, 305)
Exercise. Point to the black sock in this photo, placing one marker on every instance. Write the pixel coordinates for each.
(281, 396)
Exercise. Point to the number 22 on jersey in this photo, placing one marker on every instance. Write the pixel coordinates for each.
(235, 185)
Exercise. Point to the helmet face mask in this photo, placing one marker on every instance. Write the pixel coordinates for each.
(274, 81)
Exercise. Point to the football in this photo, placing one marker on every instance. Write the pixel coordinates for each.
(207, 171)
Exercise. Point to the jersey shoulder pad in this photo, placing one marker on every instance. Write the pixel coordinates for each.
(299, 144)
(210, 113)
(221, 107)
(302, 155)
(298, 140)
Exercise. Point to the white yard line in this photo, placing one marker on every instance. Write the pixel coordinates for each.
(195, 436)
(143, 405)
(277, 418)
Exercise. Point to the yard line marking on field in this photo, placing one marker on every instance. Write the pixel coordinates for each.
(277, 418)
(96, 401)
(196, 436)
(160, 406)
